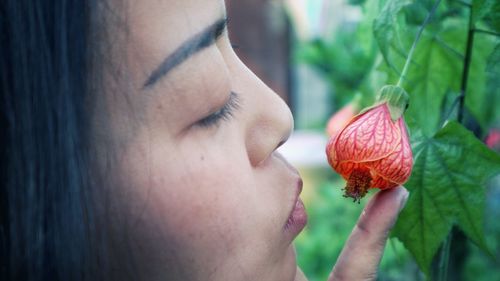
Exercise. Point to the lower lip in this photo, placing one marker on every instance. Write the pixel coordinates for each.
(297, 219)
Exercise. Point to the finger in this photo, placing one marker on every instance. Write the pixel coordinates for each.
(299, 275)
(361, 254)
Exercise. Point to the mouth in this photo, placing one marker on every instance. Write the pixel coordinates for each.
(297, 218)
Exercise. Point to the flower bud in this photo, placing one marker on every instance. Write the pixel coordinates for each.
(373, 149)
(493, 139)
(338, 120)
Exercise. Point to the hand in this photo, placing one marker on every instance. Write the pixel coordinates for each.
(361, 255)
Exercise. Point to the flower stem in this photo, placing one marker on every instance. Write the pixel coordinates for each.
(464, 3)
(445, 258)
(488, 32)
(465, 73)
(445, 250)
(414, 45)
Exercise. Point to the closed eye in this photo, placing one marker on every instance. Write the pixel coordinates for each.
(223, 114)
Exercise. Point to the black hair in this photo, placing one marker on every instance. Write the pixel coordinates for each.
(46, 219)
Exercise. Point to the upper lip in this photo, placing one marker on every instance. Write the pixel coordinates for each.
(299, 182)
(298, 190)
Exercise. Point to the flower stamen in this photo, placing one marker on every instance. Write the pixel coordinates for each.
(358, 184)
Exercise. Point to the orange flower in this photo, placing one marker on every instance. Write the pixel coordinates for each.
(338, 120)
(373, 149)
(493, 139)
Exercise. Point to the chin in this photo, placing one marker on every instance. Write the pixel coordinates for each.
(290, 264)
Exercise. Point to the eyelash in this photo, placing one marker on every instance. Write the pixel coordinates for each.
(223, 114)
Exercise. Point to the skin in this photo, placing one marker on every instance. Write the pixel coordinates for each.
(197, 202)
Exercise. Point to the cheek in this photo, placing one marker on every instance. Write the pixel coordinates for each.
(199, 188)
(199, 204)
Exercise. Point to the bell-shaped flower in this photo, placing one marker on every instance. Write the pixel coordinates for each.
(340, 118)
(373, 149)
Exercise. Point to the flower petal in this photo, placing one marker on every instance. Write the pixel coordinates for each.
(397, 166)
(370, 136)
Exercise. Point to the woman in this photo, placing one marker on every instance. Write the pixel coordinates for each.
(138, 146)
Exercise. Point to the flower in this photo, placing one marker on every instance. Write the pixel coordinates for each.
(493, 139)
(340, 118)
(373, 149)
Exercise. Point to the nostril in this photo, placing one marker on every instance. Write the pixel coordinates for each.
(280, 143)
(288, 129)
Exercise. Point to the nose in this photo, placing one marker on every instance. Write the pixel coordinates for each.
(270, 123)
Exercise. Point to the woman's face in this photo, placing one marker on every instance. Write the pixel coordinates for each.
(201, 193)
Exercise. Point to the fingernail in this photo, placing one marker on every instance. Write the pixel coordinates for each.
(404, 198)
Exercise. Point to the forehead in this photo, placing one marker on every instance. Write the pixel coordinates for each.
(160, 26)
(154, 30)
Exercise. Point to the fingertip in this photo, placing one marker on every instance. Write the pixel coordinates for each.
(398, 191)
(383, 209)
(404, 197)
(394, 198)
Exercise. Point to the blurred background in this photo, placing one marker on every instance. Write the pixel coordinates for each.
(315, 54)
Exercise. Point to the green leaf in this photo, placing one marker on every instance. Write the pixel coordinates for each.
(493, 17)
(480, 8)
(494, 60)
(416, 12)
(435, 71)
(446, 188)
(491, 101)
(481, 99)
(388, 31)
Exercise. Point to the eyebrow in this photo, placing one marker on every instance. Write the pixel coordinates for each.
(193, 45)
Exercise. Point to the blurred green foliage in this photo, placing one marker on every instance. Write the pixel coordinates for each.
(332, 217)
(437, 65)
(330, 220)
(446, 196)
(343, 62)
(451, 164)
(347, 60)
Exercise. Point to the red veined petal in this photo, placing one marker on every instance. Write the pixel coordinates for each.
(370, 136)
(340, 119)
